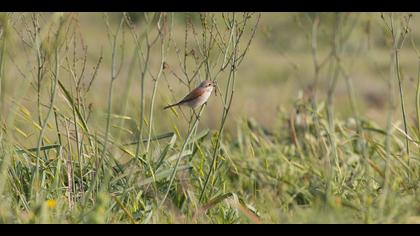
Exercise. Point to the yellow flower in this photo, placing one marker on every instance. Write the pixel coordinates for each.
(51, 203)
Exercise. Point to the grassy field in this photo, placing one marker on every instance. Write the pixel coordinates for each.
(315, 119)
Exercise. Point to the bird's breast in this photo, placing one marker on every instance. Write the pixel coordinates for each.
(200, 100)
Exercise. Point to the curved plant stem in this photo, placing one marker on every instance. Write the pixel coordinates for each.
(44, 124)
(227, 105)
(173, 173)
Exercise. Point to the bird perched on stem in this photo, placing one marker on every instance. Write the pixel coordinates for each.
(197, 97)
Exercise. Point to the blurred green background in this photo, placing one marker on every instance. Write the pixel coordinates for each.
(278, 66)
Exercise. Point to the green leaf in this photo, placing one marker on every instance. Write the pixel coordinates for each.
(162, 175)
(158, 137)
(165, 151)
(53, 146)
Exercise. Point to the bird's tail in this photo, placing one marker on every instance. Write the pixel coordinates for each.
(169, 106)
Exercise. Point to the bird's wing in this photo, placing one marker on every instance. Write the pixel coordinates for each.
(193, 95)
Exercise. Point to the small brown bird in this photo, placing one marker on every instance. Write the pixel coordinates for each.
(197, 97)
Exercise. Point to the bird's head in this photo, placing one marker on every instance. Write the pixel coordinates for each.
(207, 84)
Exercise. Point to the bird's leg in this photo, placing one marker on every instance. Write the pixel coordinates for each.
(196, 116)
